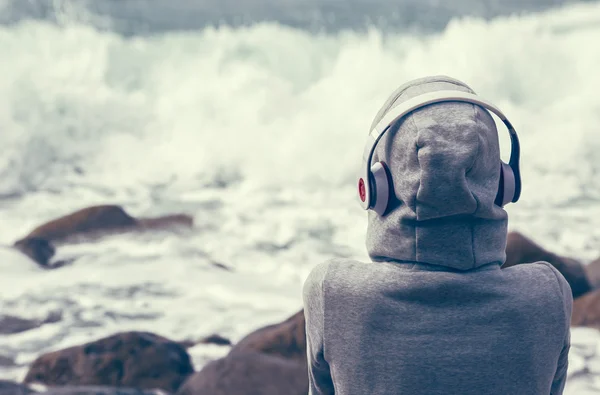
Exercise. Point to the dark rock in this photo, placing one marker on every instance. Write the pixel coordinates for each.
(10, 324)
(586, 310)
(6, 361)
(269, 361)
(100, 391)
(11, 388)
(286, 339)
(216, 339)
(88, 221)
(221, 266)
(592, 270)
(521, 250)
(249, 373)
(38, 249)
(212, 339)
(88, 224)
(96, 221)
(130, 359)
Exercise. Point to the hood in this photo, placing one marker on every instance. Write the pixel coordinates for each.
(444, 160)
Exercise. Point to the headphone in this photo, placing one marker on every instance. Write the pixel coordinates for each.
(374, 181)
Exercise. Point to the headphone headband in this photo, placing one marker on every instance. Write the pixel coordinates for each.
(420, 101)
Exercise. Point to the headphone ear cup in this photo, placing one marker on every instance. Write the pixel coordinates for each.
(507, 186)
(381, 187)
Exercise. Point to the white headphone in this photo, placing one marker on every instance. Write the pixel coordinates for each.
(374, 181)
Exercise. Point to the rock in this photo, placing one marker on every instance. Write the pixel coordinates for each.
(88, 223)
(10, 324)
(105, 218)
(222, 266)
(215, 339)
(286, 339)
(164, 222)
(11, 388)
(249, 373)
(520, 250)
(6, 361)
(592, 270)
(212, 339)
(268, 361)
(130, 359)
(38, 249)
(586, 310)
(92, 390)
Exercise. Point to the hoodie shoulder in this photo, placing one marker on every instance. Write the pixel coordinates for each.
(563, 287)
(318, 276)
(543, 282)
(313, 285)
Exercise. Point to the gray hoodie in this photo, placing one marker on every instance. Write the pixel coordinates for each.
(434, 313)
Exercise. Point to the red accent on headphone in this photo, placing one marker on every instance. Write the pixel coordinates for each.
(361, 190)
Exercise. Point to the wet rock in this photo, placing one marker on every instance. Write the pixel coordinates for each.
(592, 270)
(222, 266)
(216, 339)
(249, 373)
(212, 339)
(87, 224)
(6, 361)
(522, 250)
(10, 324)
(586, 310)
(11, 388)
(38, 249)
(129, 359)
(269, 361)
(286, 339)
(101, 391)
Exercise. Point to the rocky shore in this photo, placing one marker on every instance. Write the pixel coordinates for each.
(270, 360)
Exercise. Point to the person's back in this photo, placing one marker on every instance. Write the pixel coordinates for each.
(434, 313)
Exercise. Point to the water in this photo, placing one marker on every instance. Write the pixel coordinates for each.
(134, 17)
(256, 129)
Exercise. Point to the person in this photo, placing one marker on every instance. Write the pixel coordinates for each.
(434, 313)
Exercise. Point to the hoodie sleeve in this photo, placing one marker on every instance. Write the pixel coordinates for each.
(319, 375)
(560, 377)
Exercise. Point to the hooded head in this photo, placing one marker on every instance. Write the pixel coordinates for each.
(444, 161)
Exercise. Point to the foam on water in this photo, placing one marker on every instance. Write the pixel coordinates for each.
(258, 132)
